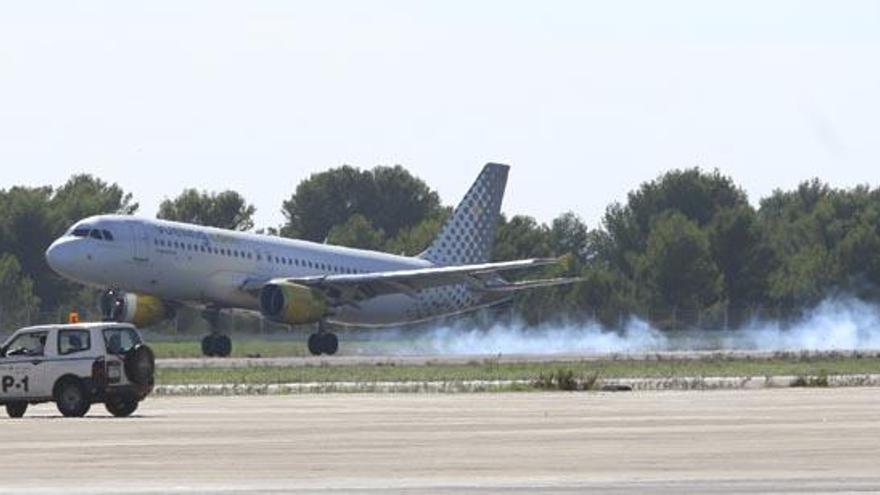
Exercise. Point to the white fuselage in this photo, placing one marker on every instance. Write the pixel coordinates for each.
(204, 265)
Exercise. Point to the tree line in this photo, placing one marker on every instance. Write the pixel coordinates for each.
(684, 249)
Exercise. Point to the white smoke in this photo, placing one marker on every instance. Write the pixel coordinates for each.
(836, 324)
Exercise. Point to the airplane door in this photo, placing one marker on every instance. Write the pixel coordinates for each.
(139, 239)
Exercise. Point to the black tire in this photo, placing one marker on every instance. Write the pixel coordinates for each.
(208, 346)
(315, 344)
(330, 343)
(121, 406)
(72, 398)
(140, 365)
(16, 409)
(222, 345)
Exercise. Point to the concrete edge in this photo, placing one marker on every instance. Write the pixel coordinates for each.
(611, 384)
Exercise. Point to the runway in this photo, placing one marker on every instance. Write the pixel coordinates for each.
(791, 440)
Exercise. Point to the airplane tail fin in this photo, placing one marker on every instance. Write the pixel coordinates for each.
(469, 235)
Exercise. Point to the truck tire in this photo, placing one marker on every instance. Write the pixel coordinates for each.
(16, 409)
(121, 406)
(71, 398)
(140, 365)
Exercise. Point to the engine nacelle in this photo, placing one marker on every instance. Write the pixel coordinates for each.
(293, 304)
(138, 309)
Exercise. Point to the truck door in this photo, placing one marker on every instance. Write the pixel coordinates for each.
(22, 366)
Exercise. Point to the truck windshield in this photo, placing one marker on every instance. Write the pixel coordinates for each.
(120, 340)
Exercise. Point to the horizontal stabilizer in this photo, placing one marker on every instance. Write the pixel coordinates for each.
(529, 284)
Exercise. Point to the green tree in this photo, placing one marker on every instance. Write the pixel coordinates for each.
(521, 237)
(693, 193)
(32, 217)
(17, 298)
(389, 197)
(357, 232)
(84, 195)
(225, 210)
(742, 253)
(677, 268)
(570, 235)
(411, 241)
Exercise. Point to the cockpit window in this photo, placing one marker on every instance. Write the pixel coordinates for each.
(81, 232)
(96, 234)
(107, 235)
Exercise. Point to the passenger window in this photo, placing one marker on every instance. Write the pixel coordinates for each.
(95, 234)
(107, 235)
(71, 341)
(28, 344)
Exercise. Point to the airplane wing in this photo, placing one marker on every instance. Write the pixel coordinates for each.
(349, 289)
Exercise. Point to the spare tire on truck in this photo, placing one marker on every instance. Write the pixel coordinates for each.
(140, 365)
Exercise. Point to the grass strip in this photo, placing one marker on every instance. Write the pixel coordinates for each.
(488, 370)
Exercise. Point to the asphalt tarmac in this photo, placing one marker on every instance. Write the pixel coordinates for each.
(770, 441)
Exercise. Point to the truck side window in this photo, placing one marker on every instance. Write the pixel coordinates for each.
(73, 340)
(120, 340)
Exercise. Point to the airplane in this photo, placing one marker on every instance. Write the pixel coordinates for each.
(147, 268)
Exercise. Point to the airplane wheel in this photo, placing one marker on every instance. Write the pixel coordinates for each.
(208, 345)
(330, 343)
(323, 343)
(223, 345)
(315, 347)
(216, 345)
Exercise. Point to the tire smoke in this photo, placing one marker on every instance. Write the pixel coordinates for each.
(835, 324)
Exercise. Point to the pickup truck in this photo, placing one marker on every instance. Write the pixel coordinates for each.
(75, 366)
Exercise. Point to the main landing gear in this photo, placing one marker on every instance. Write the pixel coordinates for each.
(215, 344)
(323, 342)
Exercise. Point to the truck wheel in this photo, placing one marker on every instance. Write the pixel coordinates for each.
(140, 365)
(16, 409)
(121, 407)
(72, 399)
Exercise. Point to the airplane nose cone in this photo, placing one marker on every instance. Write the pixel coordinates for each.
(57, 256)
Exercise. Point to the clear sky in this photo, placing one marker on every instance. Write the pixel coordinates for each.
(584, 99)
